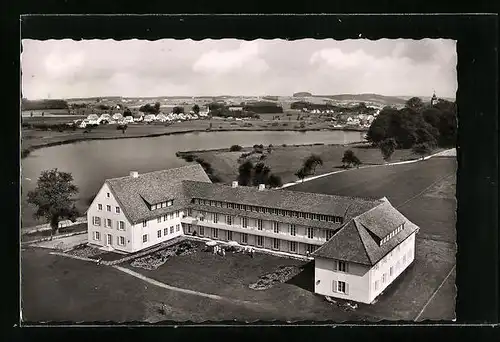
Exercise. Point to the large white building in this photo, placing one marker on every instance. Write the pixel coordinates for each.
(359, 245)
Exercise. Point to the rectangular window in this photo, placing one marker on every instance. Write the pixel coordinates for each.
(121, 225)
(108, 208)
(145, 238)
(202, 231)
(163, 204)
(342, 266)
(391, 271)
(329, 234)
(171, 229)
(229, 220)
(189, 228)
(99, 207)
(97, 221)
(165, 231)
(276, 243)
(260, 241)
(293, 246)
(310, 233)
(201, 216)
(276, 227)
(216, 218)
(107, 195)
(215, 233)
(229, 235)
(404, 258)
(244, 238)
(97, 236)
(293, 230)
(384, 278)
(177, 227)
(190, 212)
(144, 223)
(310, 248)
(259, 224)
(109, 223)
(159, 219)
(177, 213)
(341, 287)
(376, 285)
(117, 210)
(121, 241)
(244, 222)
(169, 203)
(164, 218)
(158, 234)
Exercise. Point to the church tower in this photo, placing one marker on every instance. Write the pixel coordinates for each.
(434, 99)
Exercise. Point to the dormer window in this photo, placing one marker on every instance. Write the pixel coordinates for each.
(161, 205)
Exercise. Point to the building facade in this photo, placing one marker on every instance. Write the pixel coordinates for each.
(359, 245)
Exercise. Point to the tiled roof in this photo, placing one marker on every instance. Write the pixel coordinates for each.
(381, 220)
(154, 187)
(354, 243)
(282, 199)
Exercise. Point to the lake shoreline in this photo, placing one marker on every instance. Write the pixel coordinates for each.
(25, 152)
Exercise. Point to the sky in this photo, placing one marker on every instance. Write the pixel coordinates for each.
(169, 67)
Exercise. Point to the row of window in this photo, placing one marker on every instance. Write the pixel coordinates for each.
(120, 240)
(394, 232)
(297, 214)
(108, 208)
(276, 225)
(108, 223)
(162, 205)
(165, 217)
(259, 240)
(166, 231)
(393, 269)
(391, 253)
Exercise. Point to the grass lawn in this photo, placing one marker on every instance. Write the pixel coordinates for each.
(285, 161)
(55, 288)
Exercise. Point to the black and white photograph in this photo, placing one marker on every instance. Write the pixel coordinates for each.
(180, 180)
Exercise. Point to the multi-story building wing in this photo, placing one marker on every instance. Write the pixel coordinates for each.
(359, 245)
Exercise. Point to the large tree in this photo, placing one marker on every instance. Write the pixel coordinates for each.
(415, 103)
(387, 148)
(245, 173)
(196, 109)
(350, 159)
(422, 149)
(157, 107)
(312, 162)
(301, 173)
(53, 197)
(275, 181)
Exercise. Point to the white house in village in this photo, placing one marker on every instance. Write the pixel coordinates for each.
(360, 246)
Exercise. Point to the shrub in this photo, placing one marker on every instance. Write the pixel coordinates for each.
(274, 124)
(235, 148)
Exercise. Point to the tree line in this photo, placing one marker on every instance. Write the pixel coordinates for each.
(418, 126)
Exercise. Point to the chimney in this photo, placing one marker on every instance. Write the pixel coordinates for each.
(134, 174)
(262, 187)
(234, 184)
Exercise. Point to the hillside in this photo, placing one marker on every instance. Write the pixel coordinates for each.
(382, 99)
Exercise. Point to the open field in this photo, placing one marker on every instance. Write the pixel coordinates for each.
(90, 292)
(285, 161)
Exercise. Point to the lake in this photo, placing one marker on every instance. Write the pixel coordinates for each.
(93, 161)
